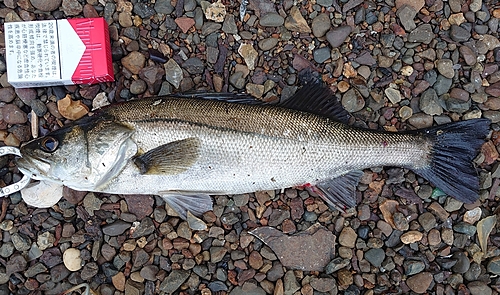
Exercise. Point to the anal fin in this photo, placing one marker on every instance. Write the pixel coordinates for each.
(340, 192)
(168, 159)
(197, 204)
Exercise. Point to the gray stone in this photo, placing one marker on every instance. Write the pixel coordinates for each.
(320, 25)
(422, 34)
(271, 19)
(194, 66)
(413, 267)
(442, 85)
(248, 288)
(406, 15)
(338, 35)
(173, 73)
(174, 281)
(163, 7)
(429, 103)
(321, 54)
(116, 228)
(146, 227)
(479, 288)
(445, 68)
(268, 43)
(21, 242)
(459, 34)
(352, 101)
(375, 256)
(290, 283)
(229, 25)
(463, 263)
(494, 266)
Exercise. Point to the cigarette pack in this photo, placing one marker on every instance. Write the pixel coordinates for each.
(58, 52)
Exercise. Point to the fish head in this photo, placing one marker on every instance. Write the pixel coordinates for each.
(80, 156)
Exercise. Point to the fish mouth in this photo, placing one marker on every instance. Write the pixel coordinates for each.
(32, 167)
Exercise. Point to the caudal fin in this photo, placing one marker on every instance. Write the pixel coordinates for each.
(455, 147)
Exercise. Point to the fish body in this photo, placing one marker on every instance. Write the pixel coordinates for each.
(186, 149)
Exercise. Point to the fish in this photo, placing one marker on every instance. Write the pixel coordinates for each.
(186, 148)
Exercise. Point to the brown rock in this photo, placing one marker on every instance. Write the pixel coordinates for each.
(139, 205)
(255, 260)
(411, 237)
(347, 237)
(419, 282)
(185, 23)
(493, 103)
(12, 114)
(468, 55)
(119, 281)
(295, 21)
(7, 94)
(415, 4)
(434, 237)
(71, 109)
(493, 89)
(134, 62)
(460, 94)
(309, 250)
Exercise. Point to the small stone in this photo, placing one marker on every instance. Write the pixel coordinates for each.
(452, 204)
(295, 22)
(429, 103)
(146, 227)
(468, 55)
(413, 267)
(217, 253)
(195, 223)
(194, 65)
(138, 87)
(411, 237)
(271, 19)
(71, 7)
(472, 216)
(494, 266)
(459, 94)
(116, 228)
(7, 94)
(255, 260)
(134, 62)
(21, 242)
(45, 5)
(320, 25)
(255, 90)
(173, 73)
(347, 237)
(173, 281)
(420, 282)
(393, 95)
(268, 44)
(72, 259)
(422, 34)
(118, 281)
(216, 12)
(352, 101)
(45, 240)
(12, 114)
(405, 112)
(463, 263)
(478, 287)
(375, 256)
(323, 284)
(338, 35)
(406, 14)
(459, 34)
(71, 109)
(321, 54)
(149, 272)
(407, 71)
(445, 68)
(484, 228)
(185, 23)
(249, 54)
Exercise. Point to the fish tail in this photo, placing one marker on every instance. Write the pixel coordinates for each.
(455, 145)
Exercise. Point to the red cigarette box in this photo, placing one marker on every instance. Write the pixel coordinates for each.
(58, 52)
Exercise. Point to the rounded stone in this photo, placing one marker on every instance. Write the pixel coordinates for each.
(72, 259)
(46, 5)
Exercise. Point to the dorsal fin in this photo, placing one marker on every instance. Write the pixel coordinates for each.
(314, 97)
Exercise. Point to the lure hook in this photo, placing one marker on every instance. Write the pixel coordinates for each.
(15, 187)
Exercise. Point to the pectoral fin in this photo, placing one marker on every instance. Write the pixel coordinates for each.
(171, 158)
(340, 192)
(197, 204)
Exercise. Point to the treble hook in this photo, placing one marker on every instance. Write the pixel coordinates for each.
(15, 187)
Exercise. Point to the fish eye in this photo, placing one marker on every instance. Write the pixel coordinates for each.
(49, 144)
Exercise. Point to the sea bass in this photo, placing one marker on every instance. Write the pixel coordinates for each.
(186, 149)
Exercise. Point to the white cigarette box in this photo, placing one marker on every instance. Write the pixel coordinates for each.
(58, 52)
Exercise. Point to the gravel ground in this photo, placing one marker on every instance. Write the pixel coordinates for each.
(394, 64)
